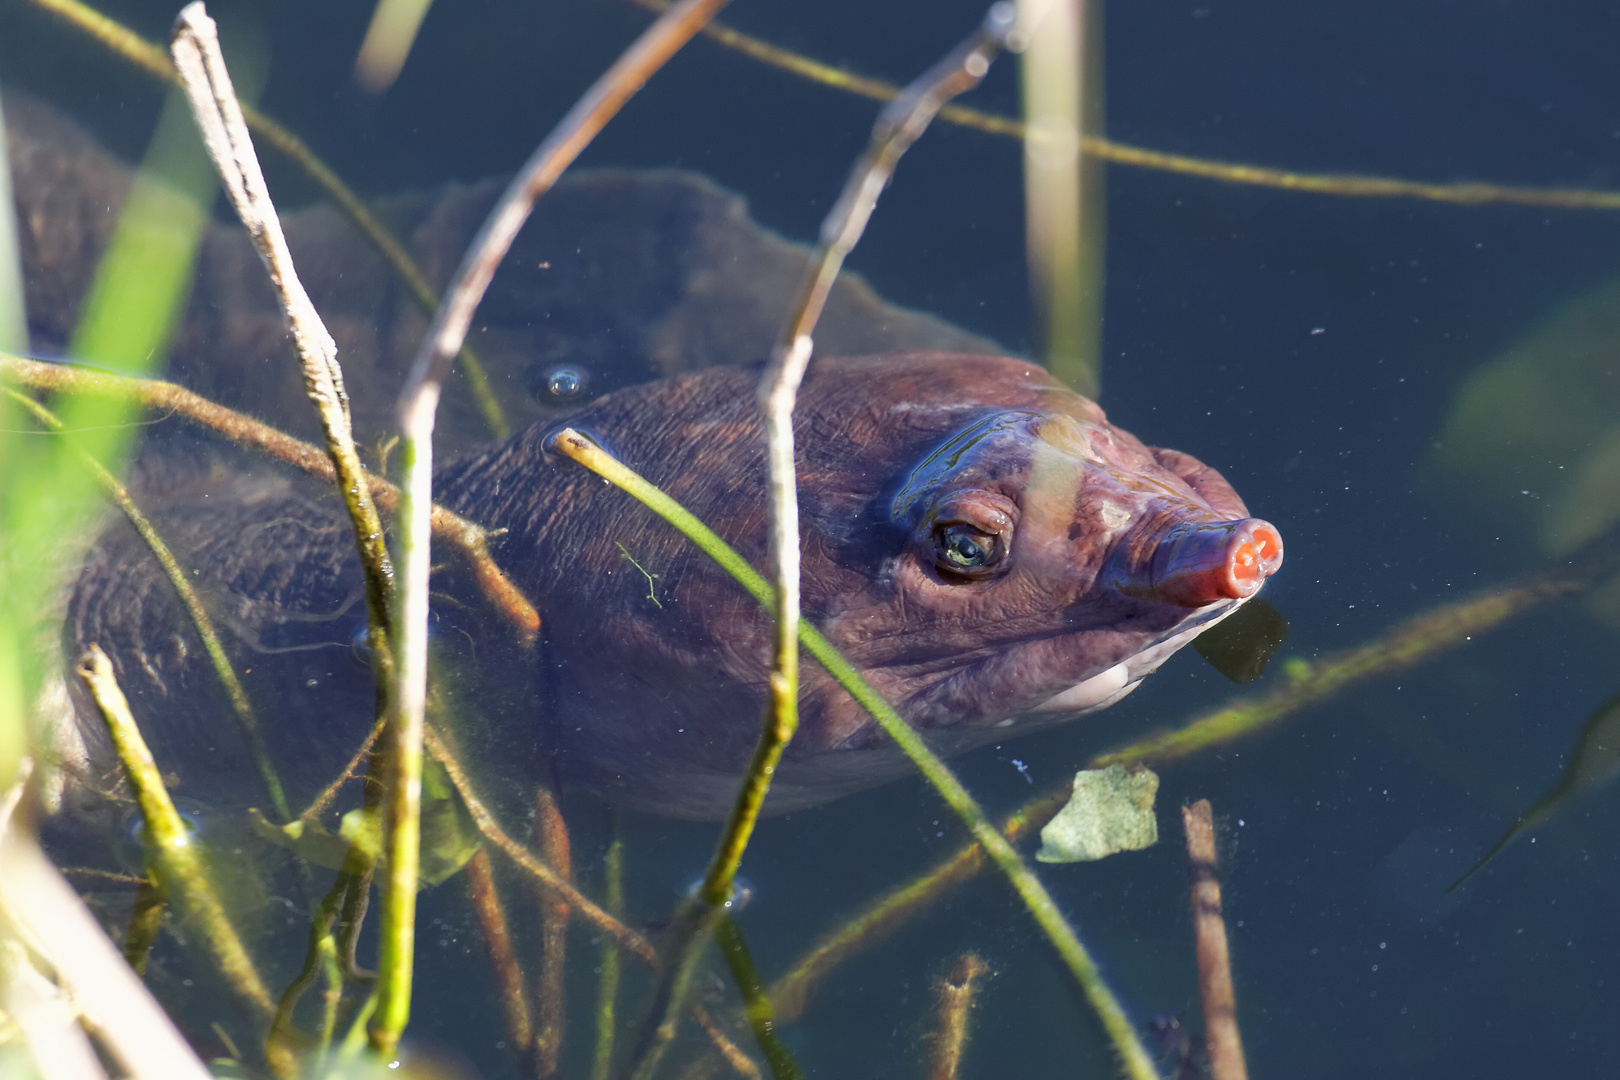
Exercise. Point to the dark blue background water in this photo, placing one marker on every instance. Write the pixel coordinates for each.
(1305, 345)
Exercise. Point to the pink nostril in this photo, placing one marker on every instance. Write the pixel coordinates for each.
(1243, 567)
(1268, 544)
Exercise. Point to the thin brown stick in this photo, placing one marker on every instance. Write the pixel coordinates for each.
(469, 539)
(551, 834)
(1214, 961)
(109, 876)
(632, 942)
(573, 133)
(509, 981)
(350, 772)
(955, 994)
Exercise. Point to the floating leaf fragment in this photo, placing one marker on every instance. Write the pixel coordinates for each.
(1111, 810)
(1594, 762)
(449, 835)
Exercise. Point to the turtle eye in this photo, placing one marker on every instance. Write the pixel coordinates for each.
(964, 551)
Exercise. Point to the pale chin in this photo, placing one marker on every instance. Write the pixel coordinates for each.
(1107, 687)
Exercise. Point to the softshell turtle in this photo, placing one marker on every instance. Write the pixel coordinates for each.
(979, 541)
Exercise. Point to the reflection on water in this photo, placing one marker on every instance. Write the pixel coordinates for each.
(1308, 347)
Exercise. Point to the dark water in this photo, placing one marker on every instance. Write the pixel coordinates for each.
(1307, 346)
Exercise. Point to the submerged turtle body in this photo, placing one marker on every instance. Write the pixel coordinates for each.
(981, 543)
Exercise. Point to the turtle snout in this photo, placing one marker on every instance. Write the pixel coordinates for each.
(1201, 563)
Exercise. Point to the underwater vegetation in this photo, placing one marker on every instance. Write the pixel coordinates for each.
(1311, 347)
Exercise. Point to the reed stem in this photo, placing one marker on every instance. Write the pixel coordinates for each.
(131, 1027)
(607, 985)
(756, 1002)
(175, 859)
(1346, 185)
(201, 68)
(418, 406)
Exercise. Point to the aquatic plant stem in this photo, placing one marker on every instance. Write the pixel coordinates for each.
(145, 921)
(174, 858)
(899, 125)
(607, 983)
(246, 719)
(469, 540)
(1064, 216)
(1414, 642)
(1132, 1054)
(1214, 960)
(130, 46)
(756, 1002)
(281, 1048)
(201, 68)
(955, 994)
(1465, 193)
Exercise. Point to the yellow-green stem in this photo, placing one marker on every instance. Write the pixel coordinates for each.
(607, 986)
(175, 859)
(756, 1002)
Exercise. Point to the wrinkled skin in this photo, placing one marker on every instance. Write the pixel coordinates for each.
(982, 544)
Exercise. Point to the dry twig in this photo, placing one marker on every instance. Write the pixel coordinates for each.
(486, 902)
(551, 834)
(1214, 962)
